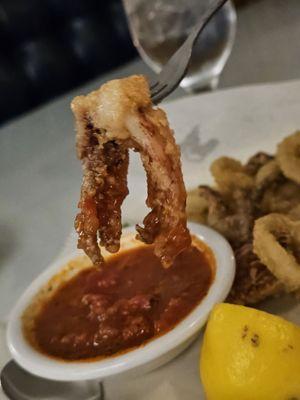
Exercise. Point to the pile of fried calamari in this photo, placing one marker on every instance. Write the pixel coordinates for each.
(256, 206)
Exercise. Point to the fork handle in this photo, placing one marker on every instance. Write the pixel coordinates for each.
(211, 10)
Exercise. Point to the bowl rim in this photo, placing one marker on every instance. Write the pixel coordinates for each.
(50, 368)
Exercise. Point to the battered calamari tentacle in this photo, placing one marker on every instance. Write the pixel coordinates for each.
(280, 197)
(234, 220)
(269, 174)
(253, 281)
(87, 221)
(112, 196)
(104, 188)
(229, 175)
(288, 156)
(165, 225)
(256, 162)
(273, 192)
(120, 116)
(277, 244)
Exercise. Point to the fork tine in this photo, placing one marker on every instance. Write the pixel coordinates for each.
(154, 85)
(158, 89)
(160, 95)
(156, 99)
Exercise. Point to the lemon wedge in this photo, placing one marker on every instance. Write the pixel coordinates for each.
(249, 354)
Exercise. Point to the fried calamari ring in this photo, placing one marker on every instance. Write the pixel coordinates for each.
(288, 156)
(229, 175)
(276, 242)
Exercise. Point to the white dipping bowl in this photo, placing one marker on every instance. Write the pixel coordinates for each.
(142, 359)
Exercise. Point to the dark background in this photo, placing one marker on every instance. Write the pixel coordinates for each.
(50, 46)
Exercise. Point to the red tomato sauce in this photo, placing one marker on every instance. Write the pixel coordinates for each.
(133, 299)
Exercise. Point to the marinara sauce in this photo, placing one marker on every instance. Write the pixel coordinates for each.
(133, 299)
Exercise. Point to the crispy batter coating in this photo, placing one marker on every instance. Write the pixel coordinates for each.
(267, 174)
(276, 242)
(230, 175)
(232, 217)
(253, 281)
(288, 156)
(281, 197)
(256, 162)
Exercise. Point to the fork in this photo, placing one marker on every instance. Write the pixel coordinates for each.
(175, 69)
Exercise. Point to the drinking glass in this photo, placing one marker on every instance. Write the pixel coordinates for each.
(159, 27)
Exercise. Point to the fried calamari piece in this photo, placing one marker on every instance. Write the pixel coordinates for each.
(277, 244)
(196, 207)
(165, 225)
(256, 162)
(253, 281)
(267, 175)
(104, 187)
(273, 192)
(280, 197)
(245, 193)
(288, 156)
(109, 121)
(234, 218)
(294, 213)
(230, 175)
